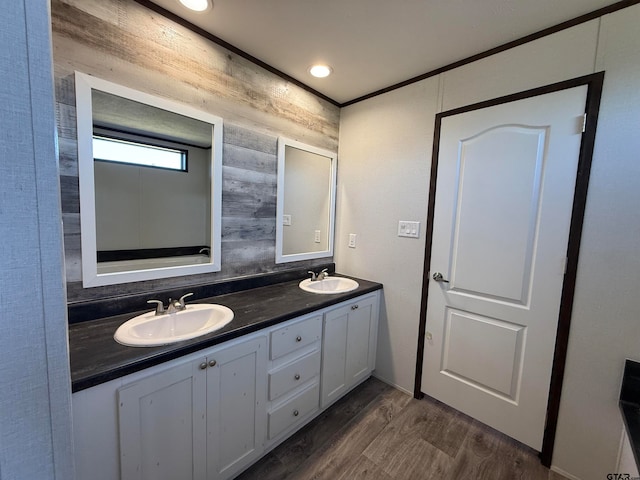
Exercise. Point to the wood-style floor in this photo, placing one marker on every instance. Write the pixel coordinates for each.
(379, 433)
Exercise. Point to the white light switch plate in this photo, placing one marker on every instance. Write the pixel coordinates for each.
(316, 236)
(286, 219)
(352, 240)
(408, 229)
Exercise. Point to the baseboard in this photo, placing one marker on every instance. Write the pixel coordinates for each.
(563, 473)
(392, 384)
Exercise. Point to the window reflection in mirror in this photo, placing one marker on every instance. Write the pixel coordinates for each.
(150, 201)
(306, 202)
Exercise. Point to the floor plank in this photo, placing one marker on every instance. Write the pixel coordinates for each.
(421, 442)
(269, 467)
(488, 454)
(329, 463)
(402, 454)
(379, 433)
(363, 469)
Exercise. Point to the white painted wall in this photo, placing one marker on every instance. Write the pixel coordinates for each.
(606, 316)
(383, 176)
(385, 154)
(566, 54)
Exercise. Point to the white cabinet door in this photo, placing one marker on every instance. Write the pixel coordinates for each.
(201, 419)
(162, 425)
(236, 406)
(334, 355)
(348, 351)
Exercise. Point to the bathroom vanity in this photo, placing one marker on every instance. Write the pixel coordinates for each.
(209, 407)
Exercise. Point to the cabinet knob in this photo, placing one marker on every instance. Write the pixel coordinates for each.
(298, 338)
(297, 376)
(203, 365)
(354, 307)
(212, 363)
(296, 413)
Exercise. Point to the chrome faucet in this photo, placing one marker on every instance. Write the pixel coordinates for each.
(206, 251)
(159, 307)
(318, 277)
(173, 307)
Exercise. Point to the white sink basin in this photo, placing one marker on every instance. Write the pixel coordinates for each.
(149, 329)
(329, 285)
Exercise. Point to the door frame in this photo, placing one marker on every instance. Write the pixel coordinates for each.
(594, 84)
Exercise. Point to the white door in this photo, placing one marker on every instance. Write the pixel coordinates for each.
(505, 185)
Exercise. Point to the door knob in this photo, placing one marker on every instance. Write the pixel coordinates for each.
(439, 278)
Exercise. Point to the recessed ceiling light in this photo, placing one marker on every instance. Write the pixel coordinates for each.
(320, 71)
(196, 5)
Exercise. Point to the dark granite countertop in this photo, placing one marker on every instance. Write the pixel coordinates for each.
(630, 405)
(97, 358)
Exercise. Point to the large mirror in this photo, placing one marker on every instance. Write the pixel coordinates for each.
(150, 175)
(305, 203)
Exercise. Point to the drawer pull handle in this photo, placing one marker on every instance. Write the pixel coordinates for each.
(297, 376)
(212, 363)
(203, 365)
(296, 413)
(354, 307)
(298, 338)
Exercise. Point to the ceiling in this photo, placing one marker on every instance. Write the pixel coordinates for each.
(373, 44)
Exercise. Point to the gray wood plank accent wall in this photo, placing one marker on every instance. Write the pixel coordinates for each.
(126, 43)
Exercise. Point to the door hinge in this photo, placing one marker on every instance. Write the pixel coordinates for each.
(584, 123)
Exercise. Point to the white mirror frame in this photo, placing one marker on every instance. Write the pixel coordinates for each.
(283, 142)
(84, 114)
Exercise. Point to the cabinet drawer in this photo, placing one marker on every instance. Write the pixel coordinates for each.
(287, 339)
(295, 409)
(293, 375)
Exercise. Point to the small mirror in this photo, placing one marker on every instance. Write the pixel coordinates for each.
(150, 185)
(306, 202)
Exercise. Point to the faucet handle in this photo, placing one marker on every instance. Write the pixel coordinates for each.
(314, 277)
(159, 306)
(182, 305)
(323, 274)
